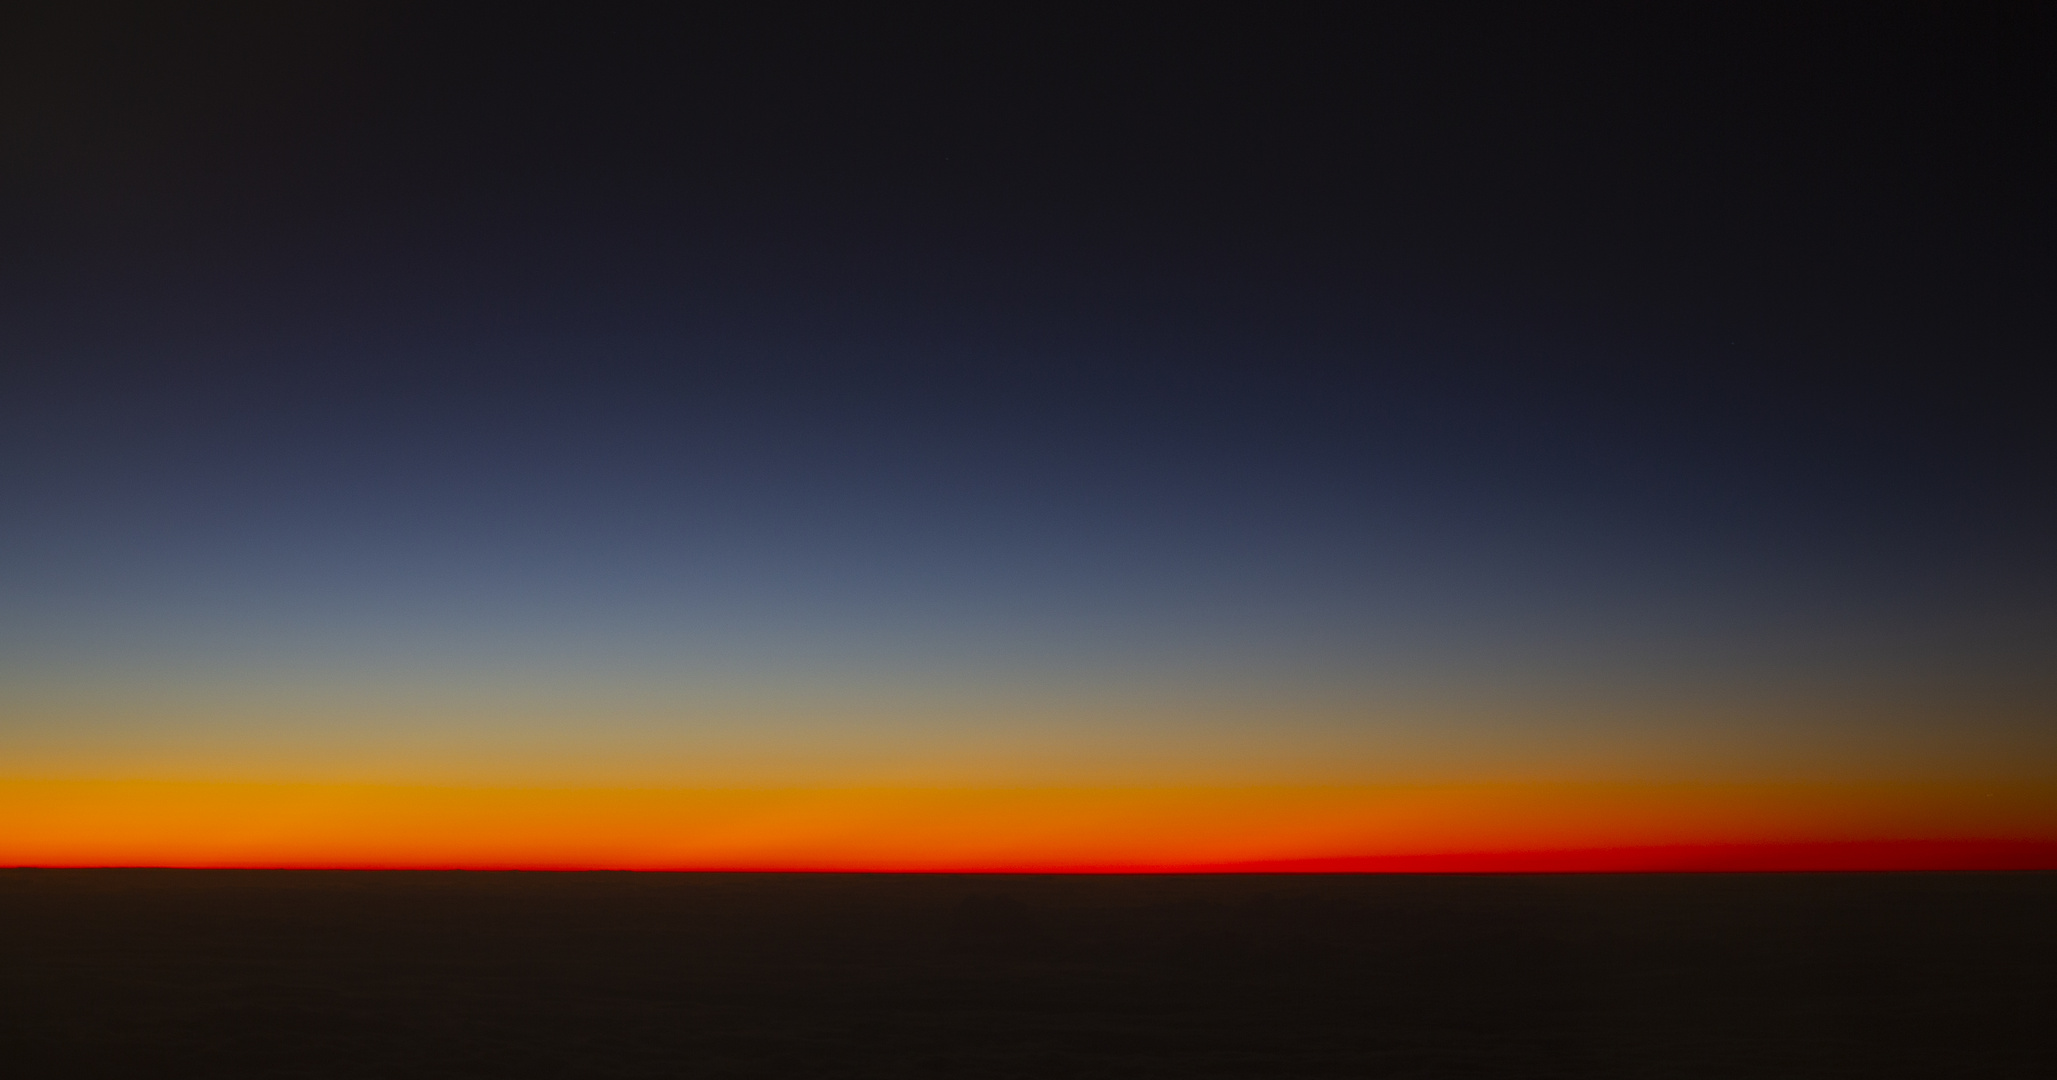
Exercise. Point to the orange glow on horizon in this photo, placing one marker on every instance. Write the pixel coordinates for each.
(1426, 828)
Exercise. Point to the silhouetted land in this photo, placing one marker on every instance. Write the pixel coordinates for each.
(143, 973)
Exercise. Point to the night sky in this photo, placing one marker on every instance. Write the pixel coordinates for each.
(1028, 437)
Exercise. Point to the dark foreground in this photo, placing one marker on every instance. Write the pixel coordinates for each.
(148, 973)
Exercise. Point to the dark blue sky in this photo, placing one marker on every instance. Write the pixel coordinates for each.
(1682, 355)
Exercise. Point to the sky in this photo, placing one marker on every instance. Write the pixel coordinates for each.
(1030, 438)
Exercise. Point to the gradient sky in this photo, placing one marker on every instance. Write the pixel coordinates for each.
(1026, 440)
